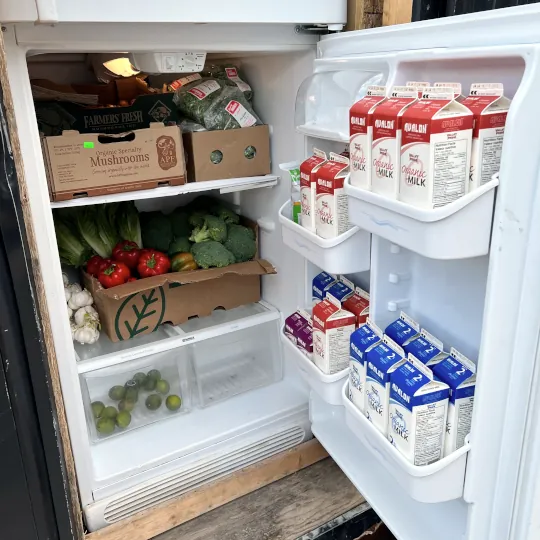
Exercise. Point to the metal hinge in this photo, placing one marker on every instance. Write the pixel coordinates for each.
(319, 29)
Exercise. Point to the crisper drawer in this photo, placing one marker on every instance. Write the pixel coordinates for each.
(133, 394)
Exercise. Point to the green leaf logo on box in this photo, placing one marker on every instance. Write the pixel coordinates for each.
(140, 313)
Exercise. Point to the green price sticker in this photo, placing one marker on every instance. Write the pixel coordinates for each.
(88, 145)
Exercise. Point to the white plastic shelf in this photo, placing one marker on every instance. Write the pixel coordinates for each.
(348, 253)
(328, 387)
(438, 482)
(459, 230)
(228, 185)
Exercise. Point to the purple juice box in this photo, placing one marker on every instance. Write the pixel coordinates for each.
(294, 323)
(304, 339)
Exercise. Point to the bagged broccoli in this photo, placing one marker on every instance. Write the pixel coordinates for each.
(231, 74)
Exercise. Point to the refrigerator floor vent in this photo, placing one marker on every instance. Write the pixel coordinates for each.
(201, 473)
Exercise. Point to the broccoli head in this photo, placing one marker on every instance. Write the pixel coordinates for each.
(226, 214)
(179, 219)
(241, 242)
(211, 254)
(203, 202)
(180, 244)
(196, 218)
(156, 231)
(212, 229)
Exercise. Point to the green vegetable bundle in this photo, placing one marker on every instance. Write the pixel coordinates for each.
(231, 74)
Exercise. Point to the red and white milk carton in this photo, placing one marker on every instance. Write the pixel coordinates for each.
(361, 135)
(332, 203)
(386, 146)
(358, 305)
(308, 183)
(419, 85)
(435, 150)
(332, 329)
(455, 86)
(490, 109)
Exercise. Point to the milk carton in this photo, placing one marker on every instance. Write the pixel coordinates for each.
(403, 330)
(459, 373)
(382, 360)
(308, 182)
(341, 290)
(362, 340)
(361, 135)
(426, 348)
(417, 413)
(321, 283)
(386, 146)
(294, 323)
(435, 150)
(332, 329)
(420, 86)
(358, 305)
(456, 87)
(490, 109)
(332, 203)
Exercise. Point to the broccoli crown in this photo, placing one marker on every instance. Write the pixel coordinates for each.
(180, 244)
(203, 202)
(213, 229)
(226, 214)
(180, 223)
(156, 231)
(241, 242)
(211, 254)
(196, 218)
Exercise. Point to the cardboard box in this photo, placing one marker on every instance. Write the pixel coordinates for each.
(85, 165)
(236, 160)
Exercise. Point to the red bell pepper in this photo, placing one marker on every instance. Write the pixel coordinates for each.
(153, 263)
(126, 252)
(115, 274)
(93, 264)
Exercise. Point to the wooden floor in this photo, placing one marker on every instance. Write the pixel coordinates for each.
(283, 510)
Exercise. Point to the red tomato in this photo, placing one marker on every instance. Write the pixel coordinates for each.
(127, 252)
(115, 274)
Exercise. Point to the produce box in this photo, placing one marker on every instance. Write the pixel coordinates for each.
(233, 153)
(88, 165)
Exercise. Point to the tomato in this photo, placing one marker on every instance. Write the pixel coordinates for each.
(127, 252)
(115, 274)
(181, 262)
(153, 263)
(93, 264)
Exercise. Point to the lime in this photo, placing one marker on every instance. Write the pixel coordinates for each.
(105, 426)
(173, 402)
(150, 384)
(153, 402)
(126, 405)
(109, 412)
(140, 378)
(123, 419)
(132, 383)
(154, 374)
(132, 390)
(163, 386)
(97, 408)
(116, 393)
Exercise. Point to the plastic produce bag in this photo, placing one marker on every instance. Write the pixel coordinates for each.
(189, 126)
(231, 74)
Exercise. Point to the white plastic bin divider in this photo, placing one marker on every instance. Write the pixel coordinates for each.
(328, 387)
(348, 253)
(323, 133)
(438, 482)
(458, 230)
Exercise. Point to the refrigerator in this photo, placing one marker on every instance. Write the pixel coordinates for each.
(467, 271)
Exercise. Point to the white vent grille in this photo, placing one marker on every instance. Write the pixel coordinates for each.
(201, 473)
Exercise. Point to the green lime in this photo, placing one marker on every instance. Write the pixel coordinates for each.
(132, 383)
(116, 393)
(140, 378)
(150, 384)
(163, 386)
(154, 374)
(173, 402)
(123, 419)
(97, 408)
(153, 402)
(132, 390)
(109, 412)
(126, 405)
(105, 426)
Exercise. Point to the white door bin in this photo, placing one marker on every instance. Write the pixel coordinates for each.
(348, 253)
(438, 482)
(327, 387)
(459, 230)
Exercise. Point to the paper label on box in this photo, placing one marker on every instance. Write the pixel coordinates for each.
(175, 85)
(240, 114)
(204, 89)
(232, 74)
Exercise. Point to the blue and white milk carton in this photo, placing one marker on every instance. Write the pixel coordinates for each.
(381, 360)
(321, 283)
(459, 373)
(341, 289)
(403, 330)
(362, 340)
(417, 413)
(426, 348)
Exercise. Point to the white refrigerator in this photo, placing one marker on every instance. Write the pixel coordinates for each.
(467, 271)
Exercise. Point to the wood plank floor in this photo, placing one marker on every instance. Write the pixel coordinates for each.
(283, 510)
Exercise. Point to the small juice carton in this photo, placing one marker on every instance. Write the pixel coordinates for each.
(361, 135)
(459, 373)
(435, 150)
(417, 412)
(426, 348)
(455, 86)
(386, 146)
(420, 86)
(332, 203)
(341, 290)
(332, 329)
(358, 304)
(382, 360)
(403, 330)
(308, 182)
(490, 109)
(321, 283)
(294, 323)
(362, 340)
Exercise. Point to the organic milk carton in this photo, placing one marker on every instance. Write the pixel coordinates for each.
(308, 182)
(420, 86)
(490, 109)
(332, 203)
(456, 87)
(417, 413)
(361, 135)
(362, 340)
(320, 284)
(403, 330)
(340, 290)
(382, 360)
(386, 143)
(459, 373)
(426, 348)
(332, 329)
(435, 150)
(358, 305)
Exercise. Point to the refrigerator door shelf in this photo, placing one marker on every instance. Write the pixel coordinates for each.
(439, 482)
(459, 230)
(348, 253)
(327, 387)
